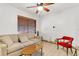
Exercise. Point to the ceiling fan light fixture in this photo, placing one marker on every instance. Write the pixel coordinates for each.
(40, 8)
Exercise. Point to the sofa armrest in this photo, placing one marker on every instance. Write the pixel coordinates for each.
(3, 49)
(37, 37)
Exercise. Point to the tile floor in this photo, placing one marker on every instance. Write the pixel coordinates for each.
(50, 49)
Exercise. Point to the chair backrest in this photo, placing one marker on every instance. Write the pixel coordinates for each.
(68, 38)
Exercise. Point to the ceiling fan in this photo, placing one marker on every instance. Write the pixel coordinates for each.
(41, 6)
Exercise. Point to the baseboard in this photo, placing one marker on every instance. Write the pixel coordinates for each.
(49, 41)
(45, 40)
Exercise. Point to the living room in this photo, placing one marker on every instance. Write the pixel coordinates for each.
(61, 20)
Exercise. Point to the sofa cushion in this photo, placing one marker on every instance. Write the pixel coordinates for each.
(35, 40)
(23, 38)
(14, 47)
(14, 37)
(7, 40)
(27, 43)
(30, 42)
(29, 35)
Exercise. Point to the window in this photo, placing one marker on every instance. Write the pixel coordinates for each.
(26, 25)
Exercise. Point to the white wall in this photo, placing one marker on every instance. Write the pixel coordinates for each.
(8, 19)
(66, 22)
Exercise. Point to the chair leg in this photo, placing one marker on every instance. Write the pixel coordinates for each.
(75, 54)
(63, 47)
(57, 47)
(71, 50)
(67, 52)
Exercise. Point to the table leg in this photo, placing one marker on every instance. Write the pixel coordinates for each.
(41, 52)
(75, 54)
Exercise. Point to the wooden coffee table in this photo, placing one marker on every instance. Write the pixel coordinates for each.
(31, 49)
(39, 47)
(28, 50)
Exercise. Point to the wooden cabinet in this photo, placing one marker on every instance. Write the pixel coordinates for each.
(26, 24)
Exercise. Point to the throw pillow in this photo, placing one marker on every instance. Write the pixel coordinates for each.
(23, 38)
(7, 40)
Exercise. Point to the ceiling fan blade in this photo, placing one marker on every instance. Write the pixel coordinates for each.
(32, 7)
(46, 4)
(46, 9)
(37, 11)
(39, 4)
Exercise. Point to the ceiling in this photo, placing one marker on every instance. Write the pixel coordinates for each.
(54, 8)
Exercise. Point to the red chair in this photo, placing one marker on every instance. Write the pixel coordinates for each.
(66, 42)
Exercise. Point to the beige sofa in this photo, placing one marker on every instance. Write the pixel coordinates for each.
(15, 42)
